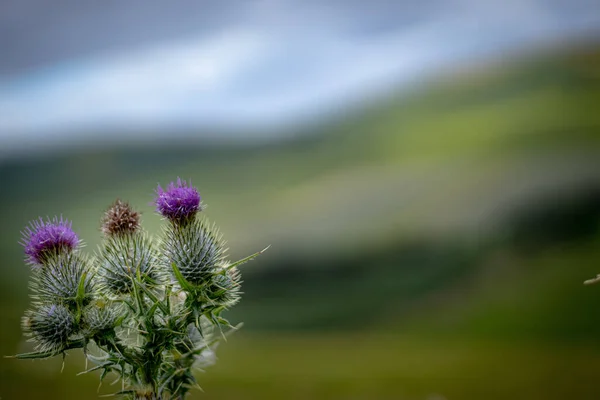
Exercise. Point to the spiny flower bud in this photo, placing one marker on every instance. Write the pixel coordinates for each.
(43, 240)
(194, 249)
(102, 316)
(122, 258)
(50, 327)
(120, 219)
(224, 289)
(60, 278)
(179, 203)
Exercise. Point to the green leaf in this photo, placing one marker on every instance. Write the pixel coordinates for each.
(36, 355)
(245, 260)
(168, 297)
(152, 297)
(185, 285)
(73, 344)
(120, 393)
(138, 298)
(97, 367)
(81, 289)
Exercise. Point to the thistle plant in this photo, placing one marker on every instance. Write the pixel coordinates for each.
(147, 310)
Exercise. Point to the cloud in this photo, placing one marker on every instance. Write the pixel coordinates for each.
(147, 84)
(278, 62)
(232, 79)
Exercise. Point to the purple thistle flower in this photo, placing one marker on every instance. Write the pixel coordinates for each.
(179, 203)
(42, 239)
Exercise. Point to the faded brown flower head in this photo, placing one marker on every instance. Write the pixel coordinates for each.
(119, 219)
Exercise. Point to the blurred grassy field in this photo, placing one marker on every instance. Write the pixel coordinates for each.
(432, 246)
(370, 366)
(358, 366)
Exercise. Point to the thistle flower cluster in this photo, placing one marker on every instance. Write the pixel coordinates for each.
(152, 308)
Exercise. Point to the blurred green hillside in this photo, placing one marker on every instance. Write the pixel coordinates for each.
(432, 244)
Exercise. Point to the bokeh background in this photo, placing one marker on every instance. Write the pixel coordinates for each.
(426, 173)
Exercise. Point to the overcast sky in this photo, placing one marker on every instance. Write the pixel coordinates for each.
(71, 68)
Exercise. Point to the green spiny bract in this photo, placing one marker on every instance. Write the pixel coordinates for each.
(152, 308)
(123, 258)
(49, 326)
(102, 316)
(196, 249)
(62, 279)
(224, 290)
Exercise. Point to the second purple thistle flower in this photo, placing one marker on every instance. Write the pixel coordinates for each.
(178, 202)
(44, 238)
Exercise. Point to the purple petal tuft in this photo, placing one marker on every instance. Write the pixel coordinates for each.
(41, 239)
(179, 202)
